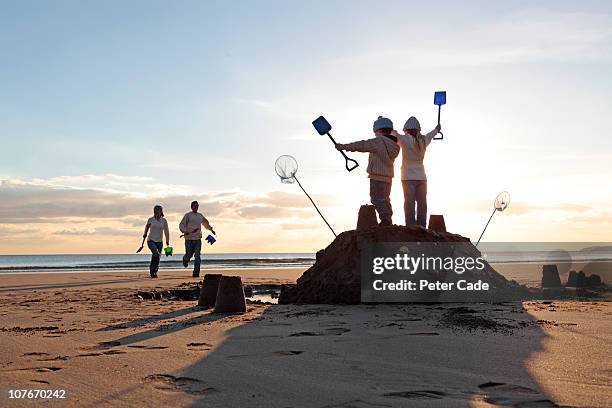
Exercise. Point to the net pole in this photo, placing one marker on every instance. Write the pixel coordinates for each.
(485, 228)
(315, 206)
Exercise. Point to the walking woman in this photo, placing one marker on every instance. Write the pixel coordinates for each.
(156, 228)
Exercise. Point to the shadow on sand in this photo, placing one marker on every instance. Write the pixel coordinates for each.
(142, 321)
(153, 333)
(372, 356)
(25, 288)
(161, 330)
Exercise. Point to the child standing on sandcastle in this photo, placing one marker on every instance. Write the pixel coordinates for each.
(383, 150)
(414, 179)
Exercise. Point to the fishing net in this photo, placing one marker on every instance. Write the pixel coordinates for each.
(286, 167)
(502, 201)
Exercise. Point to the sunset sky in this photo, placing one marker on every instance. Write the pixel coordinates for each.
(111, 107)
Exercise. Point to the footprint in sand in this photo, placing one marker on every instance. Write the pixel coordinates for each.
(357, 404)
(417, 394)
(40, 369)
(199, 346)
(89, 355)
(108, 344)
(304, 333)
(34, 354)
(56, 358)
(514, 395)
(331, 323)
(170, 383)
(102, 353)
(113, 352)
(500, 387)
(103, 348)
(143, 347)
(288, 352)
(335, 331)
(28, 330)
(233, 356)
(93, 350)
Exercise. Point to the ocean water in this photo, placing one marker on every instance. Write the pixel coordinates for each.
(24, 263)
(269, 260)
(529, 254)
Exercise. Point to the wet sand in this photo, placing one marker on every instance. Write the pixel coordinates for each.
(89, 335)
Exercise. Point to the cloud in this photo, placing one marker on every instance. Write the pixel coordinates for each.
(133, 221)
(41, 220)
(522, 208)
(67, 215)
(293, 200)
(258, 103)
(594, 218)
(529, 36)
(135, 185)
(299, 226)
(57, 201)
(36, 201)
(97, 231)
(13, 231)
(178, 163)
(259, 211)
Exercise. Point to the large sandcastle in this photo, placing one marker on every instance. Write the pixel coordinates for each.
(335, 277)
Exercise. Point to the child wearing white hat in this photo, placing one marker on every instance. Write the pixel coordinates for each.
(414, 179)
(383, 149)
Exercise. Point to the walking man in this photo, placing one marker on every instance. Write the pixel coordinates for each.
(191, 227)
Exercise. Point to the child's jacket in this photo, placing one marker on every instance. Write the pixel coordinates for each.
(383, 151)
(413, 154)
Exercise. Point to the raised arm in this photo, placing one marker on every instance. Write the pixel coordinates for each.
(369, 145)
(429, 136)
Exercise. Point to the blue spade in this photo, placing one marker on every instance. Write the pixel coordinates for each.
(323, 127)
(439, 99)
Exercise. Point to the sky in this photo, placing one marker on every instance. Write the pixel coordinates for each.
(110, 107)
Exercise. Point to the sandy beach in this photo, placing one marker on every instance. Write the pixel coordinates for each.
(88, 334)
(359, 240)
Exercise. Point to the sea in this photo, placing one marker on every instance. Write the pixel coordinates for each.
(494, 254)
(62, 263)
(25, 263)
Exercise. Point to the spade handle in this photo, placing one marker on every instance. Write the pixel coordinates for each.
(439, 132)
(351, 164)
